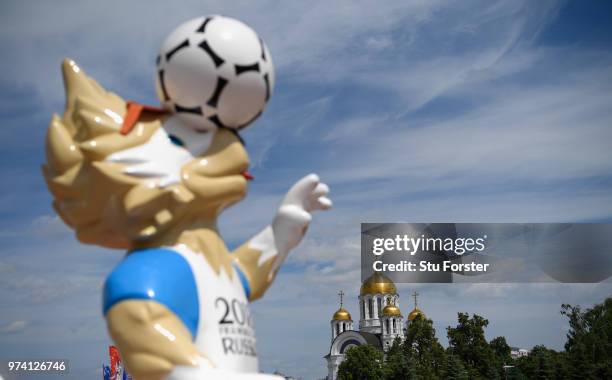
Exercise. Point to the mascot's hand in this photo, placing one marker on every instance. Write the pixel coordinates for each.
(287, 228)
(294, 215)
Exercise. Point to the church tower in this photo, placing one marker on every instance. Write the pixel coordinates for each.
(341, 321)
(415, 312)
(380, 321)
(377, 291)
(392, 325)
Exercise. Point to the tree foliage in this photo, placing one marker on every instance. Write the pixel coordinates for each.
(422, 346)
(467, 341)
(363, 362)
(541, 364)
(589, 341)
(399, 364)
(454, 370)
(587, 355)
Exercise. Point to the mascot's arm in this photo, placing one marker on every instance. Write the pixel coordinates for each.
(261, 257)
(152, 340)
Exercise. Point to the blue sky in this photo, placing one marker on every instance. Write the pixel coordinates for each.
(412, 111)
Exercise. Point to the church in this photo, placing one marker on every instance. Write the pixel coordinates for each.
(380, 321)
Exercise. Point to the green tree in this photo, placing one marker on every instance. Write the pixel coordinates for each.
(539, 364)
(467, 342)
(398, 363)
(363, 362)
(454, 370)
(501, 351)
(512, 372)
(589, 341)
(543, 364)
(422, 345)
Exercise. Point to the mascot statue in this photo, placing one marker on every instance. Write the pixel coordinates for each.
(153, 181)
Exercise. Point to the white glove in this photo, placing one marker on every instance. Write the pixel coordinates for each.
(294, 214)
(291, 220)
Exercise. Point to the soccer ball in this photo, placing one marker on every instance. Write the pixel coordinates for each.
(215, 72)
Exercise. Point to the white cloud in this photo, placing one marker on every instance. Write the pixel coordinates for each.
(541, 134)
(14, 327)
(6, 268)
(102, 38)
(309, 41)
(43, 226)
(49, 225)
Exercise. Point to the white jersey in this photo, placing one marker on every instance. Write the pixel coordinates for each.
(225, 333)
(214, 307)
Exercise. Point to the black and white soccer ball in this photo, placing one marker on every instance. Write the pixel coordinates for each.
(215, 72)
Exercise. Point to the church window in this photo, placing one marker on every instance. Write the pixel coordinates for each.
(370, 307)
(378, 300)
(387, 323)
(394, 329)
(338, 329)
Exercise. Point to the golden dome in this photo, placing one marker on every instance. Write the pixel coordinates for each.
(341, 315)
(378, 283)
(413, 314)
(392, 311)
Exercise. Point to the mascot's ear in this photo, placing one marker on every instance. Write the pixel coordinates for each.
(89, 131)
(93, 117)
(85, 97)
